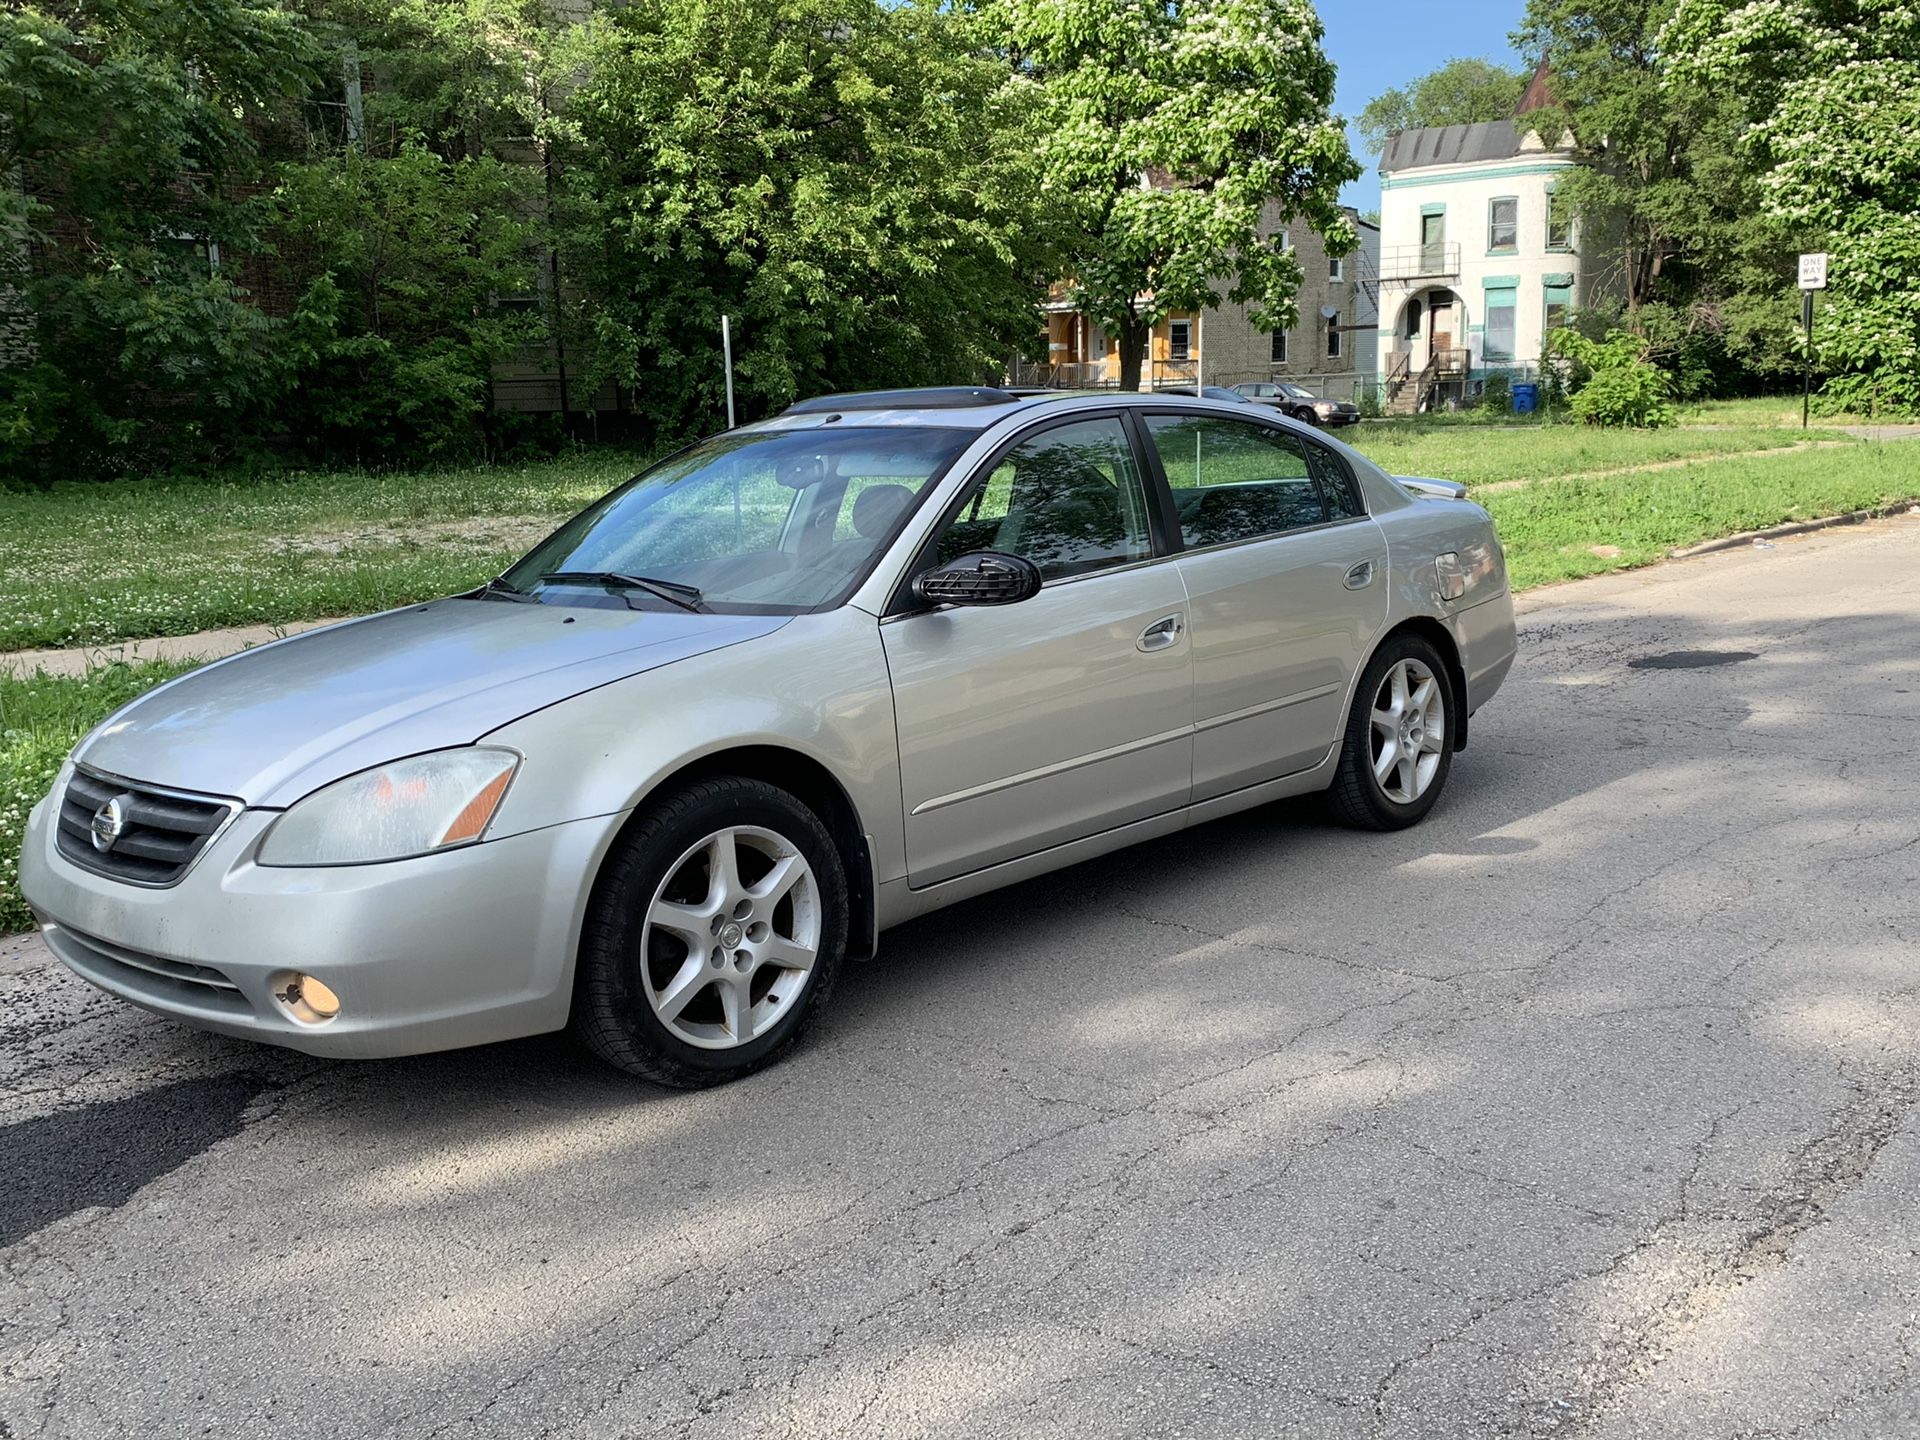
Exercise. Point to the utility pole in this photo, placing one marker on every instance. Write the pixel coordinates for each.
(1813, 276)
(726, 352)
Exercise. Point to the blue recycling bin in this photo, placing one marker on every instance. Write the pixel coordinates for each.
(1526, 399)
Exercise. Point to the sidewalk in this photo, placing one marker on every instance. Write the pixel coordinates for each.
(206, 645)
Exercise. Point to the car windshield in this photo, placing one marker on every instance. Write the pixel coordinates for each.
(765, 522)
(1299, 392)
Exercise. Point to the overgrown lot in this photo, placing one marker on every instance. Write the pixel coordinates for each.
(1490, 455)
(1564, 529)
(87, 563)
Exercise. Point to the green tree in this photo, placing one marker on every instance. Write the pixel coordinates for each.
(400, 261)
(1831, 91)
(128, 127)
(1163, 131)
(1460, 92)
(843, 178)
(1668, 202)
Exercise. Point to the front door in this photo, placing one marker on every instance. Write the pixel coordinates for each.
(1440, 314)
(1287, 585)
(1028, 726)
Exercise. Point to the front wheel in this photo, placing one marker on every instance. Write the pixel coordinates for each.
(714, 934)
(1399, 741)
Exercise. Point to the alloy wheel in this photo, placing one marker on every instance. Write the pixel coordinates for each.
(731, 937)
(1409, 731)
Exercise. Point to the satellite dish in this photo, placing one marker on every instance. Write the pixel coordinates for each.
(1329, 312)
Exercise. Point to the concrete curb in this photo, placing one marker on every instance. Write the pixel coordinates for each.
(1796, 527)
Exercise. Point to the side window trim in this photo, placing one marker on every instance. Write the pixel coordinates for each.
(901, 601)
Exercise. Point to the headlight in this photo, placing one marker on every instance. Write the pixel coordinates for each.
(1323, 407)
(411, 807)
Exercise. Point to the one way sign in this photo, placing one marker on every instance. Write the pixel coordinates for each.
(1813, 271)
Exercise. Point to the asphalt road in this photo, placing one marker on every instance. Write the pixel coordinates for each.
(1586, 1108)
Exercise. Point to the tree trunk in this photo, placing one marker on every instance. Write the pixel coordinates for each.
(1132, 340)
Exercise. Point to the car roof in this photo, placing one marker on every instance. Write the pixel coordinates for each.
(968, 407)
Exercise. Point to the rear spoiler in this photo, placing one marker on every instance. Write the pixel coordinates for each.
(1438, 489)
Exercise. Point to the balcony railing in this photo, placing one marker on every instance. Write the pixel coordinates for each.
(1420, 262)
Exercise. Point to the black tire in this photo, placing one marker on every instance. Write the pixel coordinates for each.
(612, 1015)
(1356, 797)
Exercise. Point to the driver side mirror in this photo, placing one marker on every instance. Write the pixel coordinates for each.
(986, 577)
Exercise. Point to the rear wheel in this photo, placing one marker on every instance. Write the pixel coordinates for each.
(1399, 741)
(715, 932)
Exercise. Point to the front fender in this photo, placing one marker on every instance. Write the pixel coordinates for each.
(818, 687)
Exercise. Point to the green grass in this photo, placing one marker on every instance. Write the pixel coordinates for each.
(1781, 410)
(1551, 531)
(88, 563)
(42, 717)
(1485, 456)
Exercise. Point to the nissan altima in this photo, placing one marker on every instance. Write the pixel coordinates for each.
(791, 686)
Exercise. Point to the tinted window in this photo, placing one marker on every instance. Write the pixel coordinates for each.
(1337, 484)
(1232, 480)
(1069, 499)
(757, 521)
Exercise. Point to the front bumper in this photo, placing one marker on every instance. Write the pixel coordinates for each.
(461, 948)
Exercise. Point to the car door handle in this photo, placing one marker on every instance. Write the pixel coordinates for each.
(1360, 576)
(1162, 633)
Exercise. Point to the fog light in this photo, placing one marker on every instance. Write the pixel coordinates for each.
(306, 999)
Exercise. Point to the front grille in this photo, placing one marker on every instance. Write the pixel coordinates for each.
(165, 831)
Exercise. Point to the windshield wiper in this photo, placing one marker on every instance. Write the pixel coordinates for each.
(498, 589)
(687, 597)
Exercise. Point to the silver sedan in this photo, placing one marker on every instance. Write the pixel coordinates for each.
(791, 686)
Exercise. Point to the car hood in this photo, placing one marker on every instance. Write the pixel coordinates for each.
(271, 724)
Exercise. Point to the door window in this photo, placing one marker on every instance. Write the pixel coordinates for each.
(1232, 480)
(1069, 499)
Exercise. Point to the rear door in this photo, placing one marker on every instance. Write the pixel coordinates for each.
(1287, 586)
(1032, 725)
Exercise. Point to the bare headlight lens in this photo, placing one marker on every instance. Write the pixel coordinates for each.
(410, 807)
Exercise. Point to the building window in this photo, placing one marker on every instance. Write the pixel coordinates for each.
(1559, 290)
(1179, 339)
(1503, 225)
(1279, 339)
(1283, 241)
(1559, 222)
(1333, 336)
(1336, 268)
(1497, 348)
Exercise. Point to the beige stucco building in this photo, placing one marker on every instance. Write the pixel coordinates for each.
(1331, 347)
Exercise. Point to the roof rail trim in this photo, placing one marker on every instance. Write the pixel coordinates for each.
(933, 397)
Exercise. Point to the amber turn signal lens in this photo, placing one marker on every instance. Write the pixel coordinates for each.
(468, 824)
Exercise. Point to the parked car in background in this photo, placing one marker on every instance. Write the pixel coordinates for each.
(1300, 403)
(1206, 392)
(797, 683)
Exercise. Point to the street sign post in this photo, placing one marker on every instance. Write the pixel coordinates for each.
(1813, 276)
